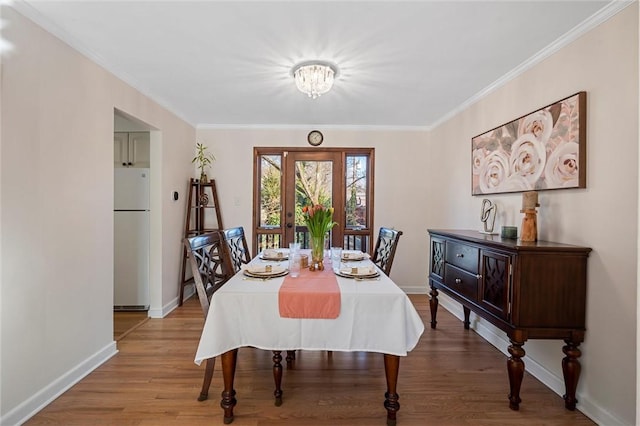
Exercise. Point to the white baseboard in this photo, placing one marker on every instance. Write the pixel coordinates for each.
(44, 397)
(498, 338)
(189, 291)
(415, 289)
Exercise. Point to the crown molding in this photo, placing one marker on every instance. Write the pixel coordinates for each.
(585, 26)
(346, 127)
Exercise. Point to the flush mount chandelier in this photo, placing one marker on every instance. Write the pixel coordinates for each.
(314, 78)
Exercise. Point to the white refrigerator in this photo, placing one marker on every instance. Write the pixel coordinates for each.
(131, 239)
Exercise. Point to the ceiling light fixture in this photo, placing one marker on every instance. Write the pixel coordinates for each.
(314, 78)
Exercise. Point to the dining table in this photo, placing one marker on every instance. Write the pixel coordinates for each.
(366, 311)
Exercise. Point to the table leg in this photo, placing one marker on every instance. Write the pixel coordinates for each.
(228, 361)
(277, 377)
(515, 368)
(391, 366)
(571, 372)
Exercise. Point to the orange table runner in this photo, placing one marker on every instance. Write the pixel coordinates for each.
(310, 295)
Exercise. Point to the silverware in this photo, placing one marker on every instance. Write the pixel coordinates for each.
(255, 278)
(367, 279)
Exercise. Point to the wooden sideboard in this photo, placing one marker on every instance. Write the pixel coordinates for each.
(530, 290)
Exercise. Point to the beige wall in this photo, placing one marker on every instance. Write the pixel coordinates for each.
(57, 212)
(603, 216)
(398, 183)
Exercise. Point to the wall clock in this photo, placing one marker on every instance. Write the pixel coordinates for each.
(315, 137)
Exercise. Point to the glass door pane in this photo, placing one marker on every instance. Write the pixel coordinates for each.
(313, 185)
(311, 180)
(269, 228)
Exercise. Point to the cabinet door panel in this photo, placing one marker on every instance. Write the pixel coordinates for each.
(139, 149)
(437, 257)
(495, 283)
(120, 143)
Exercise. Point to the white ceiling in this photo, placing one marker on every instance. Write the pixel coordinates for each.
(402, 64)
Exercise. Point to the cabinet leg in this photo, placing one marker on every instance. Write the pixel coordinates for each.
(467, 314)
(571, 371)
(515, 368)
(228, 361)
(433, 306)
(277, 377)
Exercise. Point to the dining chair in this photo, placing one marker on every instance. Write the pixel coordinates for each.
(237, 246)
(385, 249)
(211, 268)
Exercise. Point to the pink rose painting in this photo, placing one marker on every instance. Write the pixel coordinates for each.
(542, 150)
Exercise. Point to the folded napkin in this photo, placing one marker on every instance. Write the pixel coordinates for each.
(310, 295)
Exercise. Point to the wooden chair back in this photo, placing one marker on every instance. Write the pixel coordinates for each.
(210, 265)
(237, 247)
(385, 249)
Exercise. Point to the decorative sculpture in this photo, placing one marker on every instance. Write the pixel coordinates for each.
(488, 215)
(530, 220)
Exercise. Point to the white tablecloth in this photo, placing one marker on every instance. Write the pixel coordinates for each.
(375, 316)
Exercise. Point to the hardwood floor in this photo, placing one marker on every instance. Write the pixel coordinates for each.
(453, 377)
(125, 322)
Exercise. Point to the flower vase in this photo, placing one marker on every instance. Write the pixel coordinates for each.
(317, 253)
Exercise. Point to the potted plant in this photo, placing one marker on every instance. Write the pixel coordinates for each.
(204, 159)
(319, 221)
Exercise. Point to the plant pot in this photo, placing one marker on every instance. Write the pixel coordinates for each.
(204, 178)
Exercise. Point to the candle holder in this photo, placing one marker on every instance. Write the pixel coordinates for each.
(530, 220)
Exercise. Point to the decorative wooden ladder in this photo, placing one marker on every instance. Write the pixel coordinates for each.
(203, 198)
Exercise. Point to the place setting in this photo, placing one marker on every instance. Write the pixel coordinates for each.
(359, 273)
(274, 255)
(263, 272)
(353, 256)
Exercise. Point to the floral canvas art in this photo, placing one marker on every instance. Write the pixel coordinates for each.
(542, 150)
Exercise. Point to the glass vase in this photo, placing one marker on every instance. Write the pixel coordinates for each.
(317, 252)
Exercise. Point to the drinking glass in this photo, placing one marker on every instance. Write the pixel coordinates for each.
(294, 264)
(336, 257)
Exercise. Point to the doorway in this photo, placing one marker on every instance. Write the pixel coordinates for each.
(287, 179)
(132, 225)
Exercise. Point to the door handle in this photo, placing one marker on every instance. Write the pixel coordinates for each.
(289, 225)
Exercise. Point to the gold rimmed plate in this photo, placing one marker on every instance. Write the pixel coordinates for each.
(262, 270)
(265, 276)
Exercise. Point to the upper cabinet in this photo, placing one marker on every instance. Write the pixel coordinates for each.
(131, 149)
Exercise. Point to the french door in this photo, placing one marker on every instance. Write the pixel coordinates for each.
(287, 179)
